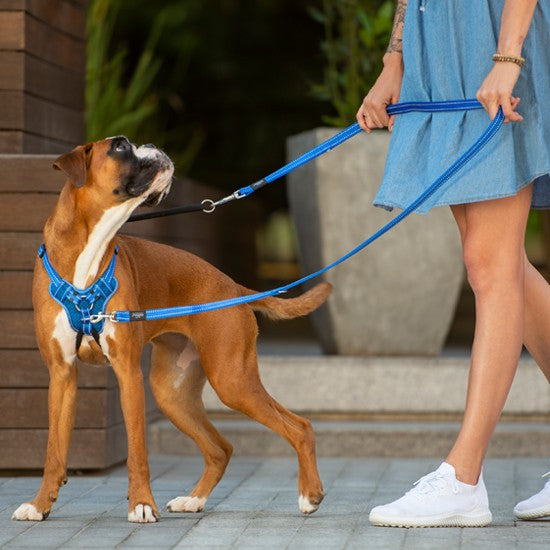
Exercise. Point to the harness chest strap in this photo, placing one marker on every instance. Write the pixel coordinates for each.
(81, 304)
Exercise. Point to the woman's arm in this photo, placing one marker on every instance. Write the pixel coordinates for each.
(386, 89)
(516, 20)
(499, 84)
(396, 40)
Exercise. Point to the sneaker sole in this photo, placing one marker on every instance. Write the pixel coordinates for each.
(478, 520)
(535, 513)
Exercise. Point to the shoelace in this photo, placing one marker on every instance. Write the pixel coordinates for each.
(547, 484)
(434, 481)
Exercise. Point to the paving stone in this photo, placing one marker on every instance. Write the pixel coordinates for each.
(256, 507)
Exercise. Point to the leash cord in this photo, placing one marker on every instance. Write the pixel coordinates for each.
(482, 141)
(208, 206)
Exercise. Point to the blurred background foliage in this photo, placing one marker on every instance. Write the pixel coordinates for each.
(221, 84)
(356, 35)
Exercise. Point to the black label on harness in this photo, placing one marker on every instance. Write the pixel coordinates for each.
(137, 316)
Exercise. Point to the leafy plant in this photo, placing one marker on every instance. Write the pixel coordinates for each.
(112, 106)
(356, 37)
(121, 92)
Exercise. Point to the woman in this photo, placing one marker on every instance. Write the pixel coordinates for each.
(447, 53)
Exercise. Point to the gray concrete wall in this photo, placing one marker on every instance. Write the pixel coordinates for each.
(398, 296)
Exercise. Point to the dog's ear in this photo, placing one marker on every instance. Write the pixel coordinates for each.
(74, 164)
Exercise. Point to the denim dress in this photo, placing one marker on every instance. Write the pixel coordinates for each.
(447, 50)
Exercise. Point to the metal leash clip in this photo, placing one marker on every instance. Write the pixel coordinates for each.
(98, 317)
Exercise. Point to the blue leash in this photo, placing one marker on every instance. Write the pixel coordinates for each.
(349, 132)
(354, 129)
(208, 206)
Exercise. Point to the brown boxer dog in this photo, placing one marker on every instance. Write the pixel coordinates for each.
(107, 180)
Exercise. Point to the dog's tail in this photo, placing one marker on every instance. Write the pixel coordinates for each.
(281, 308)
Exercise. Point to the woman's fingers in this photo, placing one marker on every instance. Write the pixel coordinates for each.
(362, 119)
(509, 105)
(376, 110)
(370, 115)
(496, 90)
(391, 119)
(515, 116)
(489, 102)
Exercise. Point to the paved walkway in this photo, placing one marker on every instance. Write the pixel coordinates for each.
(255, 506)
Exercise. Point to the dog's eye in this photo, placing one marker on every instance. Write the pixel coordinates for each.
(122, 146)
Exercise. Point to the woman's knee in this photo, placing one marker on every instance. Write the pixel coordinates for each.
(489, 265)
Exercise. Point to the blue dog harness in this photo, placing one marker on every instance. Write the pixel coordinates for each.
(80, 304)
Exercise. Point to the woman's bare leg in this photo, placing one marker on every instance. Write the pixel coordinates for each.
(537, 305)
(493, 234)
(537, 317)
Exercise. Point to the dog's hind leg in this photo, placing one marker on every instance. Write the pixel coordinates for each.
(177, 380)
(232, 369)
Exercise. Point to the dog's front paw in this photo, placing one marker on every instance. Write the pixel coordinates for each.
(28, 512)
(186, 504)
(142, 513)
(308, 505)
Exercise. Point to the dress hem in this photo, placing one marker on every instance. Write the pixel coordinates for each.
(389, 206)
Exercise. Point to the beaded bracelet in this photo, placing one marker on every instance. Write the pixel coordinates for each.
(509, 58)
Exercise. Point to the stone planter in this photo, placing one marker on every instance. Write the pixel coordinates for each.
(398, 296)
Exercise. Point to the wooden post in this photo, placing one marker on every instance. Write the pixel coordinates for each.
(42, 67)
(42, 62)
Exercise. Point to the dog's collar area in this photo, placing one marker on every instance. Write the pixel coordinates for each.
(84, 307)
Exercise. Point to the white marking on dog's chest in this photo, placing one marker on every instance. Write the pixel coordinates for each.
(87, 263)
(108, 331)
(65, 335)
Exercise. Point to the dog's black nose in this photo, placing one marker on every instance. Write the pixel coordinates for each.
(150, 145)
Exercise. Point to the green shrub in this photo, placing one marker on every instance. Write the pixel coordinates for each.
(357, 33)
(121, 92)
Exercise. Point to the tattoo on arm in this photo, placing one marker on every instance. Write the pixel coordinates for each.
(396, 40)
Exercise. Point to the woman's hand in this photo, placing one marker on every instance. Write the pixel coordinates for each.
(497, 90)
(386, 90)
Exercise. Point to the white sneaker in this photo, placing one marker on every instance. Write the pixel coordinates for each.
(538, 506)
(437, 500)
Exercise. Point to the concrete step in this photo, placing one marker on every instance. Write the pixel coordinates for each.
(360, 439)
(329, 384)
(400, 406)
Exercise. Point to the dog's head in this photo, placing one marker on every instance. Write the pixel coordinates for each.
(114, 171)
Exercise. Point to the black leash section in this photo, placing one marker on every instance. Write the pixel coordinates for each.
(172, 211)
(205, 206)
